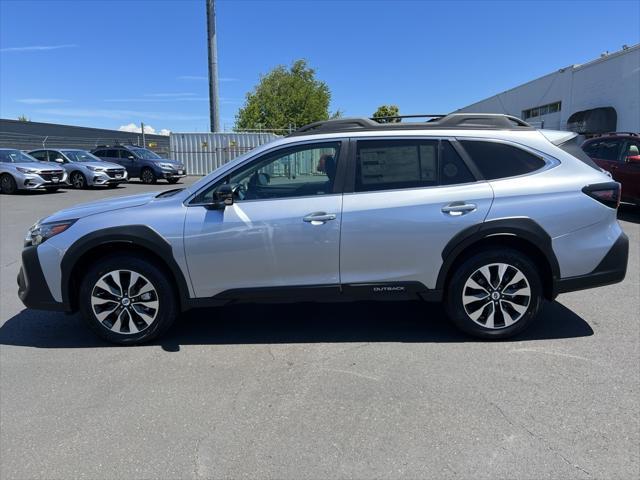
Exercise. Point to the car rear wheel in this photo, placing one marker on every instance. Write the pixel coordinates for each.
(78, 181)
(147, 176)
(494, 294)
(127, 300)
(7, 184)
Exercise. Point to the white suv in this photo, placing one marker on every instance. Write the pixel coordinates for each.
(483, 212)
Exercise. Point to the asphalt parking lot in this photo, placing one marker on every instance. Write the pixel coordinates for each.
(318, 390)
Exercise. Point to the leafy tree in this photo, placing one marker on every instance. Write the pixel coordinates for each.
(285, 98)
(387, 111)
(23, 118)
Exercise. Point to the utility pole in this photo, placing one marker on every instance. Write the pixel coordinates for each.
(214, 114)
(144, 143)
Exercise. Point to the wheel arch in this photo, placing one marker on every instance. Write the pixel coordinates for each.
(138, 239)
(522, 234)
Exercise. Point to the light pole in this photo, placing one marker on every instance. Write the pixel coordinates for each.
(214, 117)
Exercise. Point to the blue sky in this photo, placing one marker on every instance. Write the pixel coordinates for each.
(112, 63)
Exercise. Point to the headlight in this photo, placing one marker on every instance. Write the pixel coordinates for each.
(169, 166)
(26, 170)
(40, 232)
(95, 169)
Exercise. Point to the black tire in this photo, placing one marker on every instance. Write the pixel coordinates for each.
(505, 312)
(163, 295)
(8, 184)
(173, 180)
(78, 180)
(147, 176)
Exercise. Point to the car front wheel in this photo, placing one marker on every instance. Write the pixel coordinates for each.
(78, 181)
(7, 184)
(127, 299)
(494, 294)
(147, 176)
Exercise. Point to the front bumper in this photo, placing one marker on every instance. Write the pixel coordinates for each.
(34, 181)
(32, 286)
(169, 174)
(612, 269)
(109, 178)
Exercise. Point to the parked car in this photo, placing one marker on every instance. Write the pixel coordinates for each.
(83, 168)
(20, 171)
(142, 163)
(482, 212)
(619, 154)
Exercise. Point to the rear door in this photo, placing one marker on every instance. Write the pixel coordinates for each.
(628, 172)
(408, 198)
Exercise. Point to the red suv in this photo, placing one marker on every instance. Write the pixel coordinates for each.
(619, 154)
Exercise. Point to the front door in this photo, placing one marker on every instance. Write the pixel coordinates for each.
(283, 229)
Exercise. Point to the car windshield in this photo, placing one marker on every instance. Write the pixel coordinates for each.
(80, 156)
(15, 156)
(145, 154)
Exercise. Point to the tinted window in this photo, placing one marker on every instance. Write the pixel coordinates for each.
(99, 153)
(497, 160)
(605, 150)
(392, 164)
(111, 153)
(452, 169)
(292, 172)
(389, 164)
(40, 155)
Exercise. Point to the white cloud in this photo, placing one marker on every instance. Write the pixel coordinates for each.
(40, 101)
(36, 48)
(133, 128)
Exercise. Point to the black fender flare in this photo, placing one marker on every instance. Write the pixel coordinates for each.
(521, 227)
(138, 235)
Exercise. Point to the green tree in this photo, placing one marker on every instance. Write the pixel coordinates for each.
(23, 118)
(286, 98)
(387, 111)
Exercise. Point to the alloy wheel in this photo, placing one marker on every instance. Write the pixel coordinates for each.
(77, 180)
(496, 295)
(125, 302)
(147, 176)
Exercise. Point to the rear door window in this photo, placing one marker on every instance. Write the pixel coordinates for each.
(40, 155)
(498, 160)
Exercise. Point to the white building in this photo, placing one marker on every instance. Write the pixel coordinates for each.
(600, 96)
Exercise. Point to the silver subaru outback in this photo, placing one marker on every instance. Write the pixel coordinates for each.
(481, 212)
(19, 171)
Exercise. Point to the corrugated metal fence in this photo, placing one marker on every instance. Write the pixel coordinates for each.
(202, 153)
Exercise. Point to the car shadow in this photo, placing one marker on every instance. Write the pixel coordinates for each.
(289, 323)
(629, 213)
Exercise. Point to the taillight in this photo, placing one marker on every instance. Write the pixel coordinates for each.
(607, 193)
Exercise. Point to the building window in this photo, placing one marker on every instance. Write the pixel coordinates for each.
(542, 110)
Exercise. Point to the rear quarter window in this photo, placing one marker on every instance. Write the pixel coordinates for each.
(498, 160)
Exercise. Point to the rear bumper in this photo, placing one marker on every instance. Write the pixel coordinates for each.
(32, 286)
(612, 269)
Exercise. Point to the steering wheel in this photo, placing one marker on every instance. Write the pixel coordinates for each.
(241, 191)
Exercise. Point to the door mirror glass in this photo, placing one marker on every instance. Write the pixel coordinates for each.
(225, 195)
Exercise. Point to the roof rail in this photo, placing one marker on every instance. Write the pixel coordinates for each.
(473, 121)
(623, 133)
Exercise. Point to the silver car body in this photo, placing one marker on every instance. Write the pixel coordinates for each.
(384, 236)
(30, 174)
(96, 173)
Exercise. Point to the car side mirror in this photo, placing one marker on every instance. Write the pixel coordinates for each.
(633, 159)
(131, 157)
(224, 196)
(59, 160)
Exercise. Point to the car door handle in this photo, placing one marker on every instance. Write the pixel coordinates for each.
(459, 208)
(318, 218)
